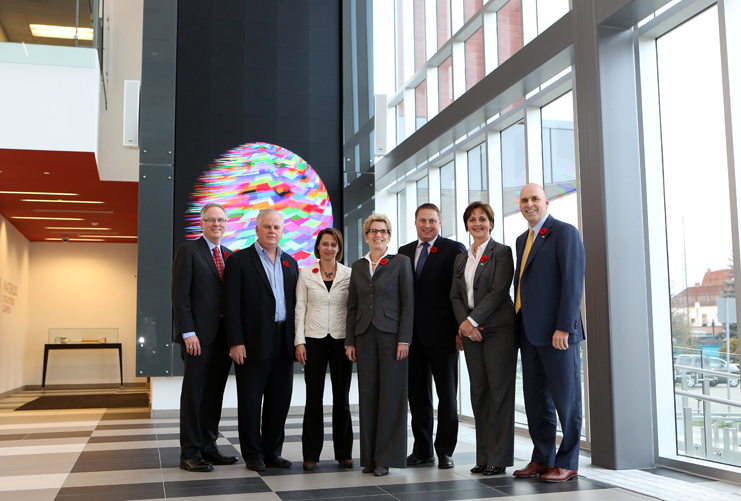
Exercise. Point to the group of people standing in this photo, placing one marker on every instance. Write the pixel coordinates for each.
(402, 318)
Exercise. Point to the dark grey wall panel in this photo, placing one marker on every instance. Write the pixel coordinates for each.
(154, 353)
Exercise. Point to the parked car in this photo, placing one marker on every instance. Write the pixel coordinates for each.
(708, 363)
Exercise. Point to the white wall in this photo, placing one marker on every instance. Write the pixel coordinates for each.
(122, 59)
(14, 270)
(77, 285)
(48, 97)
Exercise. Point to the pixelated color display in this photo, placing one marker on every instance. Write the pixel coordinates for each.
(258, 176)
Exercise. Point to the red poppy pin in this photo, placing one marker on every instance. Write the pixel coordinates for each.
(226, 254)
(483, 259)
(543, 231)
(315, 270)
(433, 249)
(382, 261)
(285, 263)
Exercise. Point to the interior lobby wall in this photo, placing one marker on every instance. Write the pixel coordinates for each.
(14, 289)
(122, 60)
(81, 285)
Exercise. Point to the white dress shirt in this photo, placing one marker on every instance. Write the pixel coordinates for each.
(474, 257)
(370, 263)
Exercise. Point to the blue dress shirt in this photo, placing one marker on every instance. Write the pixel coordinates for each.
(274, 271)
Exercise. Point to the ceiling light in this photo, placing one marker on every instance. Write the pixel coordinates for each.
(49, 218)
(77, 239)
(67, 211)
(62, 201)
(39, 193)
(110, 236)
(43, 30)
(74, 228)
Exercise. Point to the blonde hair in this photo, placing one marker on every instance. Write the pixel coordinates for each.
(381, 218)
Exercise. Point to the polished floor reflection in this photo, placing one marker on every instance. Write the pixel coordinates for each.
(122, 454)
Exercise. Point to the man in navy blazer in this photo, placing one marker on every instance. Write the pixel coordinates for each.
(549, 281)
(259, 310)
(199, 329)
(435, 343)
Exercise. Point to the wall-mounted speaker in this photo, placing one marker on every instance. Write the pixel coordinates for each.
(131, 113)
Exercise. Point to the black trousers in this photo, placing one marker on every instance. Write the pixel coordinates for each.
(319, 353)
(440, 363)
(201, 396)
(266, 384)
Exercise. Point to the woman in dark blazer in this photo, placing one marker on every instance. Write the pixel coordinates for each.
(483, 308)
(380, 312)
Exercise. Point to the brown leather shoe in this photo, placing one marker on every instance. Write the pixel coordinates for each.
(559, 475)
(531, 470)
(346, 463)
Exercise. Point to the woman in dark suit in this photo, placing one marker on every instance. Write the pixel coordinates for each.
(380, 311)
(483, 308)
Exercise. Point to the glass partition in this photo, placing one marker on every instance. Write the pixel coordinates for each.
(699, 240)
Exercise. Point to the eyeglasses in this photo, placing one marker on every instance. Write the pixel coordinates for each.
(327, 244)
(382, 231)
(211, 220)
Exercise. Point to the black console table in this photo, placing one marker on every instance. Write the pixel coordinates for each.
(82, 346)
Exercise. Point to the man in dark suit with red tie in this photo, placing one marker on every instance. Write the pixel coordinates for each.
(435, 344)
(549, 281)
(260, 310)
(199, 329)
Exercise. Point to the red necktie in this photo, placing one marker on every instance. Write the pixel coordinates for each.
(219, 262)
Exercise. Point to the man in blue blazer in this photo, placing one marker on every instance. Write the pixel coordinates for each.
(549, 280)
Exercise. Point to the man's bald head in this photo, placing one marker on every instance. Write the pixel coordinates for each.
(533, 203)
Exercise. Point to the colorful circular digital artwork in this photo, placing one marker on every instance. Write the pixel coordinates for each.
(258, 176)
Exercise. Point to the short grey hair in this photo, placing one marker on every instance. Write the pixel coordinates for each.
(268, 212)
(373, 218)
(208, 206)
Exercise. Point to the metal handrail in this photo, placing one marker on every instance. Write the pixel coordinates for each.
(708, 398)
(733, 375)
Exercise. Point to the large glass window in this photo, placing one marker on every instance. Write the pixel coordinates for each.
(423, 191)
(477, 180)
(443, 22)
(445, 83)
(509, 30)
(550, 11)
(400, 123)
(559, 151)
(399, 43)
(419, 34)
(514, 174)
(698, 236)
(420, 105)
(469, 8)
(447, 199)
(401, 218)
(474, 58)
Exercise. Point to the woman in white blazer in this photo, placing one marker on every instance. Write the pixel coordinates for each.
(321, 313)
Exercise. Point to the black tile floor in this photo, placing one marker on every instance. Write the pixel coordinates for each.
(122, 455)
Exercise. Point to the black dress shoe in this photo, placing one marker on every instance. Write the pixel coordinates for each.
(277, 462)
(494, 470)
(380, 471)
(414, 460)
(479, 468)
(369, 469)
(255, 464)
(219, 458)
(195, 464)
(445, 462)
